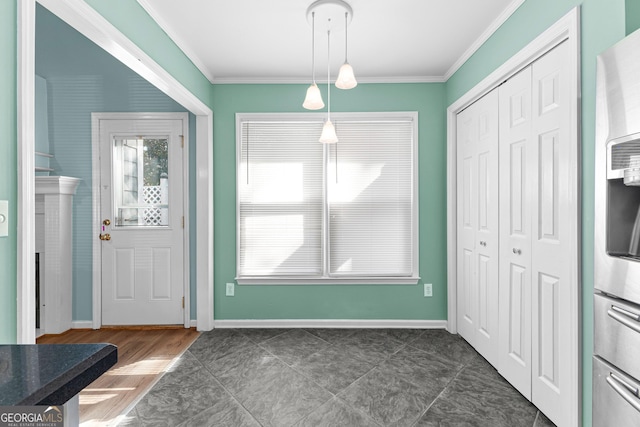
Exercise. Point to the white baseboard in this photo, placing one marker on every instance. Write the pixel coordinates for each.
(82, 324)
(331, 323)
(303, 323)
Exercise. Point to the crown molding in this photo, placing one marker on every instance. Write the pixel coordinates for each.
(506, 14)
(305, 80)
(147, 5)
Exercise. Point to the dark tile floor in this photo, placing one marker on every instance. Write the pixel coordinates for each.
(333, 377)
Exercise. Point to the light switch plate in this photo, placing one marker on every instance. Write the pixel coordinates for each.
(4, 218)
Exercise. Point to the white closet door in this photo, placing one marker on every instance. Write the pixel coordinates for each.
(478, 225)
(466, 247)
(516, 167)
(551, 221)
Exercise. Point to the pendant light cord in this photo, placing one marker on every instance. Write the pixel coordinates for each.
(346, 35)
(313, 47)
(329, 74)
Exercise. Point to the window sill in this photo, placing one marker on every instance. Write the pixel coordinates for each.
(327, 280)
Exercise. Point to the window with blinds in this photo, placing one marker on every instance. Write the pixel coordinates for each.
(311, 212)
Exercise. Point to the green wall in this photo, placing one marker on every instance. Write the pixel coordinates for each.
(602, 24)
(134, 22)
(334, 301)
(8, 171)
(82, 78)
(632, 12)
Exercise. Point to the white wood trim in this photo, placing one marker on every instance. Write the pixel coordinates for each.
(452, 230)
(97, 207)
(575, 173)
(82, 324)
(331, 323)
(282, 280)
(186, 137)
(414, 278)
(96, 213)
(200, 63)
(204, 209)
(91, 24)
(567, 28)
(25, 239)
(305, 80)
(506, 14)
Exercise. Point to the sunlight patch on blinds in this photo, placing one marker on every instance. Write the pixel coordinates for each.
(370, 203)
(280, 199)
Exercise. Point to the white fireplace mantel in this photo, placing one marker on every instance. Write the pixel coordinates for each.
(54, 220)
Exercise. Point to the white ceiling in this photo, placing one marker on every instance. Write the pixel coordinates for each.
(269, 41)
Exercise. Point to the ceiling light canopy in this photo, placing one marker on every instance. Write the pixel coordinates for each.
(329, 15)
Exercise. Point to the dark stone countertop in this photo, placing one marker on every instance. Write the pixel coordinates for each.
(50, 374)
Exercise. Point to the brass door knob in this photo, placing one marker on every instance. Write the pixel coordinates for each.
(106, 222)
(105, 236)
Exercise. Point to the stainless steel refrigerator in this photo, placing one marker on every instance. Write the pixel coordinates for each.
(616, 361)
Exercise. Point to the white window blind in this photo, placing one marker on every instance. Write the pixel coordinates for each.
(370, 199)
(329, 212)
(280, 183)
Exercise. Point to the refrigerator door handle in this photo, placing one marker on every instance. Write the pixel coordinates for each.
(625, 317)
(624, 390)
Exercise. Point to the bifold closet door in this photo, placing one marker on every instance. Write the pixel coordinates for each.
(477, 257)
(535, 219)
(552, 220)
(516, 187)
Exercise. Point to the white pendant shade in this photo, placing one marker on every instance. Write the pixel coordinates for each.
(313, 100)
(346, 78)
(328, 133)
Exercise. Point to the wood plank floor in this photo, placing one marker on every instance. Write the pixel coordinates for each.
(144, 354)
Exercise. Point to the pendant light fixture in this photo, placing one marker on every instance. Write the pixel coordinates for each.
(313, 100)
(329, 14)
(328, 130)
(346, 78)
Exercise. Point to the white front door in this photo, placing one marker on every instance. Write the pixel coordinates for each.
(142, 215)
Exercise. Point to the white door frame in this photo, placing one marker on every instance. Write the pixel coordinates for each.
(96, 28)
(97, 205)
(567, 28)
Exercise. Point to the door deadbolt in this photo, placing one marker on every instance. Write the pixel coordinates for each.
(106, 222)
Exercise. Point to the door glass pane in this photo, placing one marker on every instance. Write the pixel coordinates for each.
(141, 182)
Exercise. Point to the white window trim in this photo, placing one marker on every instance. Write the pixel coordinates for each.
(356, 280)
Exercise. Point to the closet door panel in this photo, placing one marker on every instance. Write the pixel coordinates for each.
(550, 246)
(487, 227)
(514, 361)
(478, 225)
(467, 201)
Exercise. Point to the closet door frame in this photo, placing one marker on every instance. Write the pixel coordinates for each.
(565, 29)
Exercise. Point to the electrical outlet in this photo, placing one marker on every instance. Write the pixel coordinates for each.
(230, 289)
(428, 290)
(4, 218)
